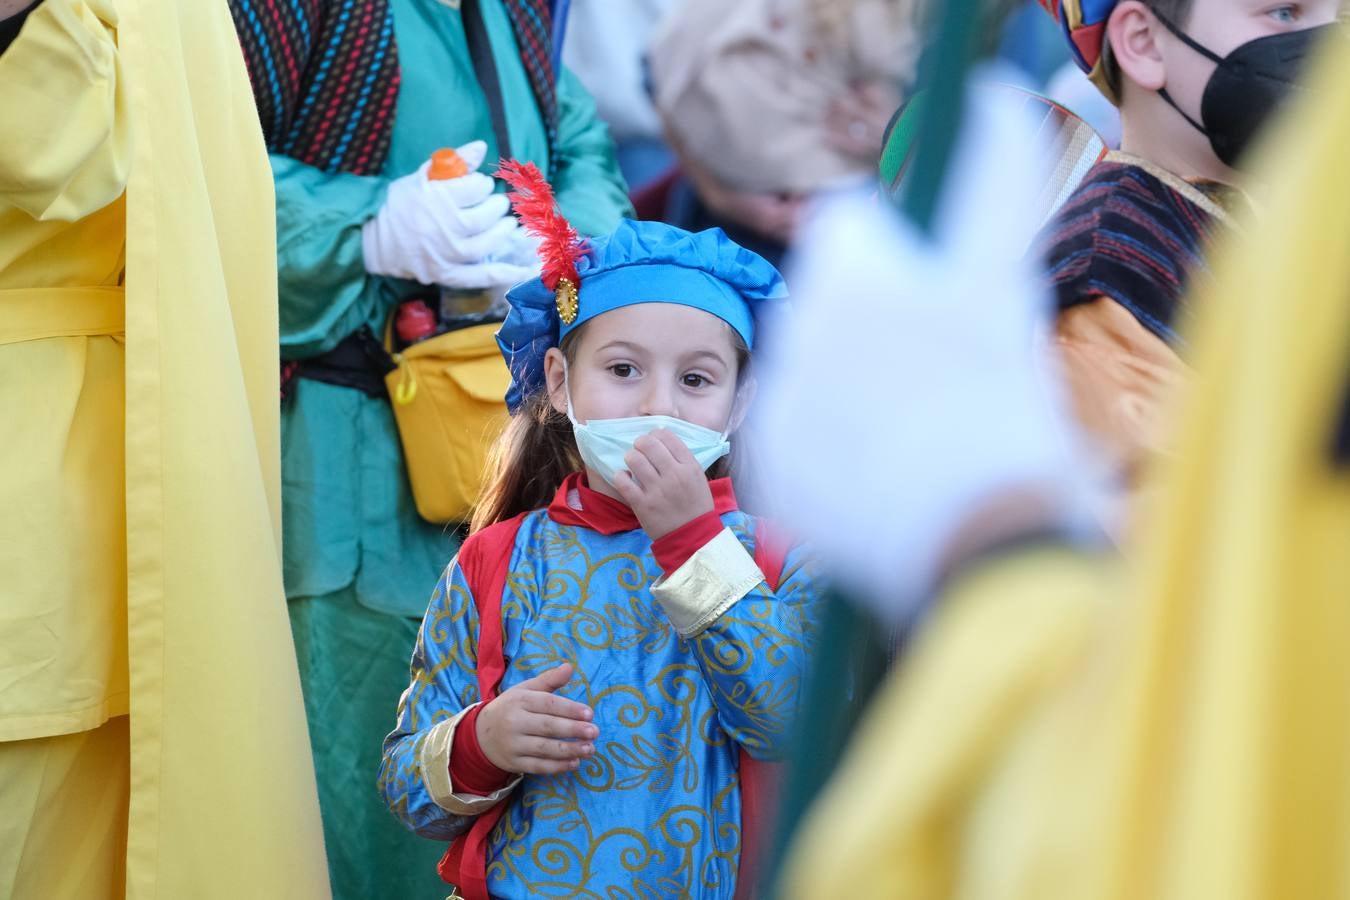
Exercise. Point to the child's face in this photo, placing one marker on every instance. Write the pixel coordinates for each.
(650, 359)
(1223, 26)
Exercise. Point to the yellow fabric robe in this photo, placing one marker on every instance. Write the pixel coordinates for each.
(139, 540)
(1182, 731)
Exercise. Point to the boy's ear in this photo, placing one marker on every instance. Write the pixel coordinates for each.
(555, 377)
(1133, 31)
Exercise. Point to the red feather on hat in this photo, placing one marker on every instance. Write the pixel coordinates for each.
(532, 200)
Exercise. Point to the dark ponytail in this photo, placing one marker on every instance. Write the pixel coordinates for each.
(534, 454)
(531, 458)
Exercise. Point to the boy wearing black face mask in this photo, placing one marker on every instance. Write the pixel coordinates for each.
(1195, 81)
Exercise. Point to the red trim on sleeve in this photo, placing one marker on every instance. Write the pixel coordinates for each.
(674, 549)
(471, 772)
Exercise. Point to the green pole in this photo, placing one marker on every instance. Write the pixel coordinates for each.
(943, 79)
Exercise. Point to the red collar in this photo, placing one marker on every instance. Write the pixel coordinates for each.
(606, 515)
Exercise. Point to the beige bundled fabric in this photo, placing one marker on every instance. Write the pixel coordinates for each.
(745, 87)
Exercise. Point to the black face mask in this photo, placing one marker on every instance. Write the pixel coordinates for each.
(1249, 85)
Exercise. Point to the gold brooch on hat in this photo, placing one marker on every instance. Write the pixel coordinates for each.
(568, 302)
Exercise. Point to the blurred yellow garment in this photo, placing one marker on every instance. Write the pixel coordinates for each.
(152, 738)
(1180, 730)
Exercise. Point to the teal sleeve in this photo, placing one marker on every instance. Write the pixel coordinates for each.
(586, 176)
(754, 658)
(444, 682)
(325, 291)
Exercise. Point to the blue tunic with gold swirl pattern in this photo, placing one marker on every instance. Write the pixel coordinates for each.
(683, 672)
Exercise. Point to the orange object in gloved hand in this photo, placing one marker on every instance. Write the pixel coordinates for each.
(452, 232)
(446, 164)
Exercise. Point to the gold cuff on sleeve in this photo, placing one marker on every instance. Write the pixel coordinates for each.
(434, 758)
(708, 584)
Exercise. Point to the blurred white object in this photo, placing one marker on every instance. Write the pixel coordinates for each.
(1075, 148)
(455, 232)
(910, 384)
(1070, 88)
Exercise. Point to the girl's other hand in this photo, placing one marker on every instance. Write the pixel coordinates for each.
(530, 730)
(664, 485)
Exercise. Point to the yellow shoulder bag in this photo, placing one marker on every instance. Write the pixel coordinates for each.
(448, 395)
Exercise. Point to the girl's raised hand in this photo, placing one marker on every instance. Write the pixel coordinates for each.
(530, 730)
(664, 485)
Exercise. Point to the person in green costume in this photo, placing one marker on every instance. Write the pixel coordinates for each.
(353, 98)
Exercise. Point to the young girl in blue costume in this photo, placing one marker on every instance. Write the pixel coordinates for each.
(616, 644)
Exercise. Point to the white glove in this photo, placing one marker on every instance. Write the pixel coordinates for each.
(911, 386)
(455, 232)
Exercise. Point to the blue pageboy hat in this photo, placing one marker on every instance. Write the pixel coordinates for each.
(638, 262)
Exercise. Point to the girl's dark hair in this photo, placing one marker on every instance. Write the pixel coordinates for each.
(537, 451)
(525, 466)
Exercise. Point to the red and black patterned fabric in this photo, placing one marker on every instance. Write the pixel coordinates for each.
(1127, 235)
(325, 78)
(533, 24)
(325, 75)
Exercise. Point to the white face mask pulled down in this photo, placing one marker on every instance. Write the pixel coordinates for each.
(603, 443)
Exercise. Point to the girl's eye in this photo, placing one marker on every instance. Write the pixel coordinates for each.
(621, 370)
(694, 381)
(1285, 15)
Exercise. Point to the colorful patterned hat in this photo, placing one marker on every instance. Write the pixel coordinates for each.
(1084, 26)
